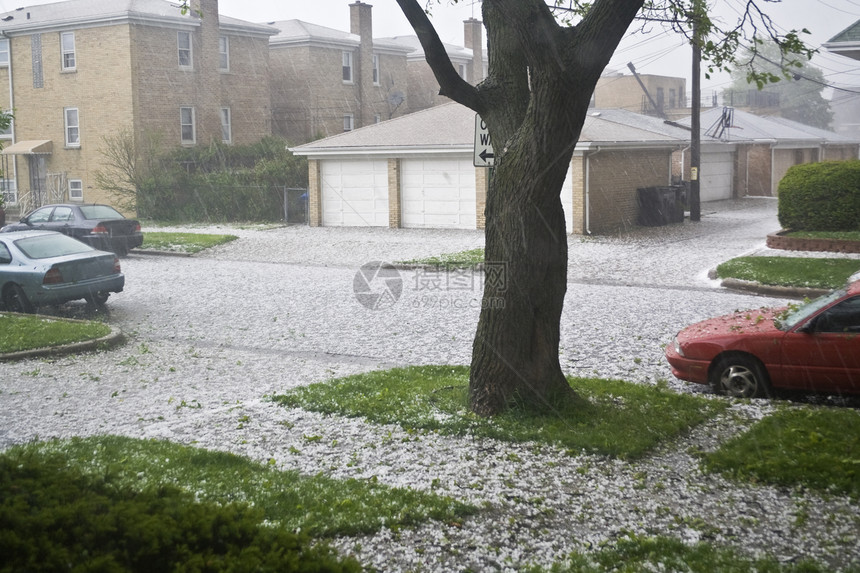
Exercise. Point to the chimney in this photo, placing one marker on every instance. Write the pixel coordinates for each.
(361, 24)
(473, 40)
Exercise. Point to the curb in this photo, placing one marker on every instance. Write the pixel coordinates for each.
(799, 293)
(160, 253)
(115, 338)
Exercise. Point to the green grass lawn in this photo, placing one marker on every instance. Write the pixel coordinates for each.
(190, 243)
(19, 332)
(790, 271)
(610, 417)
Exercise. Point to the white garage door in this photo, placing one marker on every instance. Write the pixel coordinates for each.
(438, 193)
(354, 193)
(716, 179)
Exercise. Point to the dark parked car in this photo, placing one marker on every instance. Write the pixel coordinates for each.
(42, 267)
(814, 347)
(100, 226)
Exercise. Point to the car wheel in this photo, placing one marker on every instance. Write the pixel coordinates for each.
(98, 298)
(740, 377)
(15, 300)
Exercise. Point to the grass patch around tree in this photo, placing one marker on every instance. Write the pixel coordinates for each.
(458, 260)
(19, 333)
(790, 271)
(190, 243)
(813, 447)
(318, 506)
(610, 417)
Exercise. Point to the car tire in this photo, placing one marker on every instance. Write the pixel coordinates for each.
(740, 376)
(98, 298)
(15, 300)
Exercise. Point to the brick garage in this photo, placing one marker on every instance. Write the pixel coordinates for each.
(357, 178)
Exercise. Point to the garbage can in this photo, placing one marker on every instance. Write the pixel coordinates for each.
(661, 205)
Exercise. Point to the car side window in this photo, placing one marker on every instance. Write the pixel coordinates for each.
(40, 215)
(62, 214)
(5, 255)
(843, 317)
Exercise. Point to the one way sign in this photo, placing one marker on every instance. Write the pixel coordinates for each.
(483, 147)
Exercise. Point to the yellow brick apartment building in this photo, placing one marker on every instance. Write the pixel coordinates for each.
(76, 72)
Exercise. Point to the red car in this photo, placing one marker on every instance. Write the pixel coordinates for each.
(813, 347)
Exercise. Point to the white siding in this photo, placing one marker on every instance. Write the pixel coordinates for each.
(354, 193)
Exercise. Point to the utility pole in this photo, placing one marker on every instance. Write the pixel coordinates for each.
(696, 135)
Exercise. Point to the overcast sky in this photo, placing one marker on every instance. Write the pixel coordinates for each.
(660, 53)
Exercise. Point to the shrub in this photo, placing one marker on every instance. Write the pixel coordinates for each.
(53, 518)
(821, 197)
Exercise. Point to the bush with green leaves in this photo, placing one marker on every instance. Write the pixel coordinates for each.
(821, 197)
(54, 518)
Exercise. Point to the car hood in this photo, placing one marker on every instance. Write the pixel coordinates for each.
(760, 321)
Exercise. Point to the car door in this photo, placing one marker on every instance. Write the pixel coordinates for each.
(40, 218)
(824, 354)
(63, 221)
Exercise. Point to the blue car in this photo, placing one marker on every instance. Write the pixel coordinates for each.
(40, 268)
(99, 226)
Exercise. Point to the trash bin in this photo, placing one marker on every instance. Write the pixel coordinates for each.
(661, 205)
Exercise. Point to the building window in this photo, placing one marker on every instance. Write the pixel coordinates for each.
(463, 70)
(4, 52)
(76, 190)
(347, 67)
(377, 118)
(226, 127)
(9, 190)
(347, 122)
(67, 44)
(375, 69)
(7, 133)
(184, 45)
(186, 123)
(224, 54)
(671, 98)
(73, 128)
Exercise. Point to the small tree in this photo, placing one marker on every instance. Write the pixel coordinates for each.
(797, 83)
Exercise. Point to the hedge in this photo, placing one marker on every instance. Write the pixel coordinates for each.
(821, 197)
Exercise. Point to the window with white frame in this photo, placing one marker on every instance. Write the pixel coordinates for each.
(224, 53)
(7, 133)
(4, 52)
(347, 67)
(377, 118)
(226, 126)
(73, 127)
(186, 124)
(67, 45)
(376, 69)
(348, 122)
(184, 46)
(76, 190)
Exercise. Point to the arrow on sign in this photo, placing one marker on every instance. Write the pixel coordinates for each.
(485, 156)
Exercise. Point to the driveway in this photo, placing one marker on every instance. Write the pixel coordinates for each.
(211, 335)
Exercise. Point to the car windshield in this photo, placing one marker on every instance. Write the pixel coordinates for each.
(100, 212)
(47, 246)
(799, 314)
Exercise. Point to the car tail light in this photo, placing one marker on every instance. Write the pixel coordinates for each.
(137, 228)
(116, 266)
(53, 277)
(100, 230)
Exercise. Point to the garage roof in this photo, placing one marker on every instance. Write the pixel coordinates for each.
(451, 127)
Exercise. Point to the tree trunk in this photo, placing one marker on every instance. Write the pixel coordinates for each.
(515, 352)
